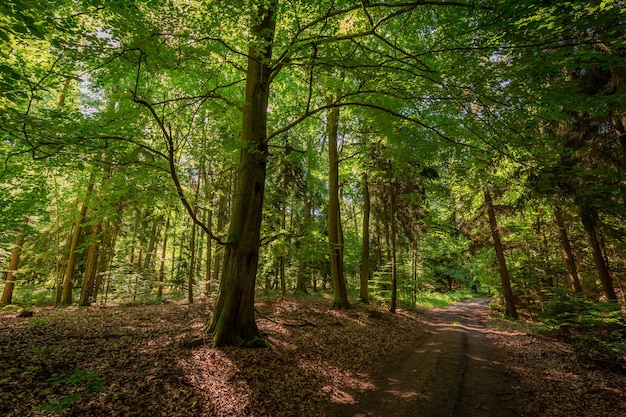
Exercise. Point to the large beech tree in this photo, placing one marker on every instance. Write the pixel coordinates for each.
(233, 319)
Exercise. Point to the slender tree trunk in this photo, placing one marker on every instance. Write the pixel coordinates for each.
(221, 222)
(233, 319)
(9, 284)
(62, 269)
(192, 262)
(174, 260)
(589, 219)
(387, 234)
(163, 255)
(283, 281)
(340, 294)
(365, 249)
(89, 278)
(497, 244)
(66, 295)
(414, 272)
(379, 249)
(104, 266)
(209, 254)
(154, 232)
(394, 264)
(568, 254)
(180, 284)
(302, 262)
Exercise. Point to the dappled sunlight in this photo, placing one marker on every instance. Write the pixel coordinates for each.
(216, 379)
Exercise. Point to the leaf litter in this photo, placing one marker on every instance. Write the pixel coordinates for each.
(155, 360)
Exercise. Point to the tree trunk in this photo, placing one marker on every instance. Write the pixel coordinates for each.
(163, 254)
(379, 248)
(104, 266)
(387, 234)
(89, 278)
(192, 261)
(154, 232)
(66, 295)
(9, 284)
(568, 255)
(589, 219)
(497, 244)
(233, 319)
(209, 254)
(394, 264)
(283, 281)
(340, 294)
(302, 262)
(365, 249)
(221, 222)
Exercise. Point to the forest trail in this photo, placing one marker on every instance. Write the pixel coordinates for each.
(452, 370)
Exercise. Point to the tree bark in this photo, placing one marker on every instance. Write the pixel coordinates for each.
(282, 259)
(163, 255)
(365, 248)
(192, 261)
(221, 222)
(147, 265)
(302, 262)
(9, 284)
(89, 278)
(66, 295)
(497, 244)
(209, 254)
(568, 254)
(394, 264)
(589, 219)
(233, 319)
(340, 294)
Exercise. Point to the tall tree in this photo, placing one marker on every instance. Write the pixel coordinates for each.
(68, 282)
(365, 249)
(233, 318)
(335, 243)
(568, 254)
(505, 279)
(9, 284)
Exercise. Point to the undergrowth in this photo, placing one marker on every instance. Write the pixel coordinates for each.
(595, 329)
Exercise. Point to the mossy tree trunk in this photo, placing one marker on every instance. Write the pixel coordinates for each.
(233, 319)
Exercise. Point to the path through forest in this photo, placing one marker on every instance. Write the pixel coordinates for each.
(451, 371)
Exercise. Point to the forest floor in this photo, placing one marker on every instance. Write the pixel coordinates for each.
(152, 360)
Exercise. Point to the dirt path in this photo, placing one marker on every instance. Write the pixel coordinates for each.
(451, 371)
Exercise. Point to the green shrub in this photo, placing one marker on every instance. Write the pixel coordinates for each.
(593, 328)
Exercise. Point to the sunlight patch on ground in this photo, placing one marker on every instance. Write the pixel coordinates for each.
(213, 374)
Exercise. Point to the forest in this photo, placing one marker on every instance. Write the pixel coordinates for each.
(367, 158)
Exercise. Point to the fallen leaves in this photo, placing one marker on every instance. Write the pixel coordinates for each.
(154, 360)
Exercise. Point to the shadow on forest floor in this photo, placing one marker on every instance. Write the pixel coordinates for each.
(146, 360)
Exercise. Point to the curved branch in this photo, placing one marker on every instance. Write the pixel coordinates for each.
(171, 149)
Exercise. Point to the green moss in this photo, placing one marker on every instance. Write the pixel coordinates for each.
(256, 343)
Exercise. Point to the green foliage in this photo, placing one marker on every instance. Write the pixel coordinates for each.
(32, 294)
(597, 329)
(439, 299)
(81, 383)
